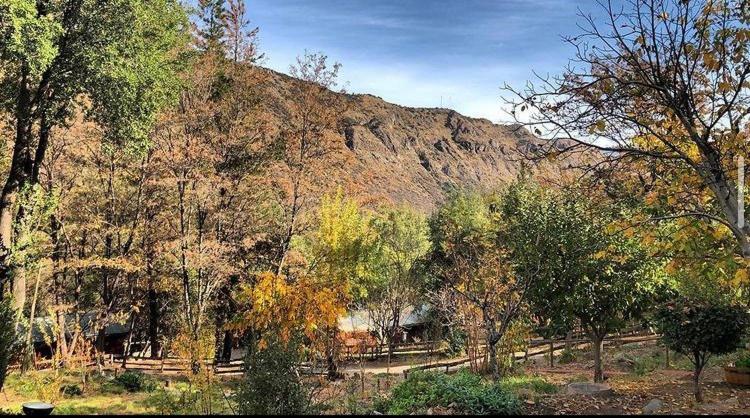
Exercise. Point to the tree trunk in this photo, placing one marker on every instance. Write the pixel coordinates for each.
(7, 201)
(62, 342)
(219, 338)
(697, 385)
(597, 346)
(333, 370)
(17, 175)
(493, 367)
(699, 364)
(28, 360)
(228, 344)
(392, 334)
(153, 321)
(58, 279)
(551, 353)
(19, 292)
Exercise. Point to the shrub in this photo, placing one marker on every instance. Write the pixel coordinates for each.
(534, 383)
(71, 390)
(133, 381)
(271, 385)
(701, 330)
(164, 402)
(468, 392)
(567, 356)
(646, 364)
(743, 361)
(7, 337)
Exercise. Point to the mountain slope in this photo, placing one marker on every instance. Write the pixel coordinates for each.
(415, 155)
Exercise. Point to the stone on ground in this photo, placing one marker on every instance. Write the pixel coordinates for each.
(653, 406)
(586, 388)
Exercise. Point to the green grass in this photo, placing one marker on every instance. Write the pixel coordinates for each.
(464, 391)
(579, 378)
(533, 383)
(102, 395)
(648, 363)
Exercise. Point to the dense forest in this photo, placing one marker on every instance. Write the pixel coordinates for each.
(159, 203)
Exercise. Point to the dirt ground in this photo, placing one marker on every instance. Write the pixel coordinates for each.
(635, 372)
(637, 375)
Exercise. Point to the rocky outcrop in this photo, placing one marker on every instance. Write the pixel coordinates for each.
(416, 155)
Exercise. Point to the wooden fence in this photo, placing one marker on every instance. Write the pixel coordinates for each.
(176, 366)
(633, 336)
(399, 349)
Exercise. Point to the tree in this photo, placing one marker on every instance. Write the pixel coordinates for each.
(700, 330)
(210, 31)
(401, 241)
(111, 61)
(659, 90)
(310, 141)
(242, 42)
(7, 337)
(210, 152)
(325, 273)
(271, 384)
(486, 256)
(337, 254)
(596, 274)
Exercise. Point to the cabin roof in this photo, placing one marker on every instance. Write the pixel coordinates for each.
(359, 319)
(43, 329)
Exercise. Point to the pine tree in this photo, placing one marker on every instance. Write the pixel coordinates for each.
(210, 31)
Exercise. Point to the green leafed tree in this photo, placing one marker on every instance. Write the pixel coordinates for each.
(595, 274)
(488, 254)
(337, 256)
(111, 62)
(402, 240)
(700, 330)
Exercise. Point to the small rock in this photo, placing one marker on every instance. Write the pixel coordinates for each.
(430, 411)
(625, 359)
(453, 405)
(652, 406)
(376, 413)
(529, 402)
(592, 389)
(525, 394)
(732, 403)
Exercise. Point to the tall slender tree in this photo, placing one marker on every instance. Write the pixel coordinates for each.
(111, 60)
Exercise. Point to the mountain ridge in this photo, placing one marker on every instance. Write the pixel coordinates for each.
(416, 155)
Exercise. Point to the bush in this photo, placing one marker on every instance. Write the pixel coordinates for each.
(466, 391)
(743, 361)
(566, 357)
(271, 385)
(646, 364)
(71, 390)
(133, 381)
(7, 337)
(533, 383)
(165, 402)
(701, 330)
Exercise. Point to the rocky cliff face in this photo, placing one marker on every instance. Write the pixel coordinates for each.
(416, 155)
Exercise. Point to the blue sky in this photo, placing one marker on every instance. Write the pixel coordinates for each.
(412, 52)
